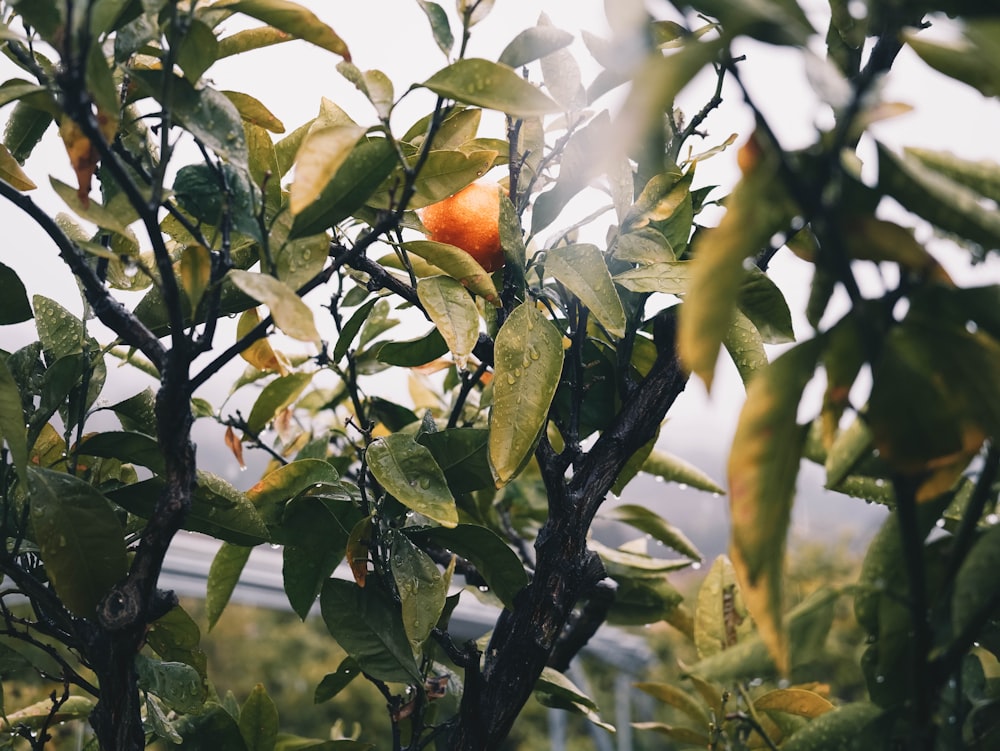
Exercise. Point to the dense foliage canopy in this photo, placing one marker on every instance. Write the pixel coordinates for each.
(536, 391)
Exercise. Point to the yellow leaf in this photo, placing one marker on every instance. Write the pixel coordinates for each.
(317, 161)
(11, 172)
(196, 272)
(260, 354)
(235, 445)
(763, 466)
(291, 315)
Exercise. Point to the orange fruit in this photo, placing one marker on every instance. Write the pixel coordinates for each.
(470, 220)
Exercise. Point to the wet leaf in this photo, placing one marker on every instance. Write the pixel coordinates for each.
(290, 314)
(252, 110)
(223, 575)
(177, 684)
(444, 173)
(583, 270)
(490, 85)
(667, 277)
(408, 471)
(260, 354)
(412, 353)
(674, 469)
(321, 154)
(370, 162)
(834, 729)
(973, 58)
(439, 25)
(528, 358)
(763, 466)
(276, 396)
(79, 536)
(746, 346)
(206, 113)
(494, 560)
(367, 624)
(259, 720)
(333, 683)
(293, 19)
(458, 265)
(421, 586)
(656, 526)
(454, 312)
(795, 701)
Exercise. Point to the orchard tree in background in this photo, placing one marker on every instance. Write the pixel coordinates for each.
(537, 391)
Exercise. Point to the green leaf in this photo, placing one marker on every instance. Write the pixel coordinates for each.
(439, 25)
(317, 161)
(223, 575)
(444, 173)
(940, 200)
(972, 591)
(275, 397)
(133, 448)
(584, 272)
(453, 311)
(11, 172)
(206, 113)
(367, 625)
(982, 176)
(533, 43)
(12, 427)
(974, 58)
(553, 689)
(462, 455)
(218, 509)
(840, 728)
(528, 359)
(422, 588)
(494, 560)
(177, 684)
(14, 306)
(685, 736)
(370, 162)
(103, 216)
(490, 85)
(412, 353)
(408, 471)
(253, 112)
(40, 715)
(212, 197)
(761, 301)
(80, 538)
(293, 19)
(674, 469)
(316, 525)
(271, 493)
(458, 265)
(745, 345)
(333, 683)
(16, 88)
(177, 638)
(291, 315)
(259, 720)
(210, 730)
(197, 51)
(656, 526)
(668, 277)
(25, 127)
(763, 466)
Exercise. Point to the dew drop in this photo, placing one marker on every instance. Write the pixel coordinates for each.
(425, 482)
(682, 486)
(992, 519)
(511, 379)
(696, 565)
(880, 679)
(483, 588)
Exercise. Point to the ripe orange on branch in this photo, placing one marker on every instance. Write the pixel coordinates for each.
(470, 220)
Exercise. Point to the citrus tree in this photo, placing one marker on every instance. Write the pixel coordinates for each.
(538, 386)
